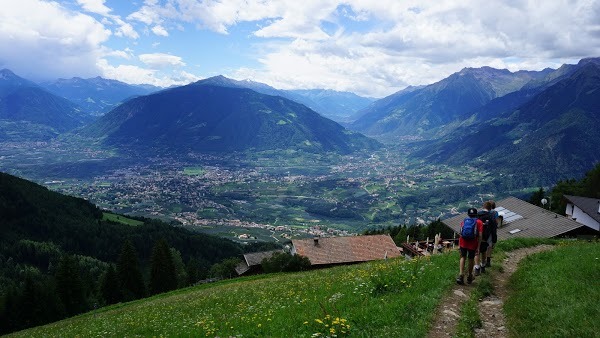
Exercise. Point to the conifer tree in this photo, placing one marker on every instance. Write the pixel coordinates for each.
(110, 288)
(193, 271)
(163, 276)
(180, 268)
(128, 271)
(69, 286)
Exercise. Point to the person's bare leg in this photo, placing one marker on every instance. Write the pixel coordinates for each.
(471, 265)
(489, 255)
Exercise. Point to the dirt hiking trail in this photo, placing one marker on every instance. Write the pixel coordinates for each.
(490, 307)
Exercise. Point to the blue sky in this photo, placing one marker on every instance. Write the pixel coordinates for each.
(372, 48)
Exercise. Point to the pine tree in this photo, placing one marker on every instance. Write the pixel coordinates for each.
(110, 288)
(69, 286)
(179, 268)
(163, 276)
(193, 271)
(128, 271)
(537, 196)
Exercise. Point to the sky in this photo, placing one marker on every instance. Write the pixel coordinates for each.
(369, 47)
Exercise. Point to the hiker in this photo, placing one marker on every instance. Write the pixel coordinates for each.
(493, 239)
(485, 216)
(471, 229)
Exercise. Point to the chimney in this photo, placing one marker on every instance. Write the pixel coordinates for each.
(316, 239)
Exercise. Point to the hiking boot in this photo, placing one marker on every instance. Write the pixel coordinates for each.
(460, 280)
(470, 279)
(477, 271)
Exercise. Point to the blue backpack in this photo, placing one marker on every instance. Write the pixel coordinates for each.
(469, 228)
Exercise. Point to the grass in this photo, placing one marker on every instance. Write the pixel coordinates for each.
(194, 171)
(107, 216)
(393, 298)
(553, 294)
(556, 293)
(469, 313)
(518, 243)
(469, 318)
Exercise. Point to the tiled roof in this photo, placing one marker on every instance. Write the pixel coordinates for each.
(588, 205)
(256, 258)
(352, 249)
(253, 259)
(536, 221)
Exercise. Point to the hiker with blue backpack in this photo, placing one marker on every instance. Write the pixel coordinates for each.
(471, 229)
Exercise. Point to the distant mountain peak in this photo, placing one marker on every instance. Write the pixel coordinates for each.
(589, 60)
(10, 79)
(7, 74)
(218, 80)
(484, 71)
(205, 117)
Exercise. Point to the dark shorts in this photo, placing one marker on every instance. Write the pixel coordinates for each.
(494, 237)
(483, 246)
(464, 252)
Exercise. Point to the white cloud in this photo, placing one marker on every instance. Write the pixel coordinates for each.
(415, 42)
(128, 73)
(94, 6)
(394, 43)
(289, 17)
(370, 47)
(125, 54)
(184, 77)
(160, 30)
(140, 75)
(161, 60)
(48, 41)
(125, 29)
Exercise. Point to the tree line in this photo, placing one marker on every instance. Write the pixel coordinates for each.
(59, 256)
(587, 186)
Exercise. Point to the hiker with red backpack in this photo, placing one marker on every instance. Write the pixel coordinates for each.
(471, 230)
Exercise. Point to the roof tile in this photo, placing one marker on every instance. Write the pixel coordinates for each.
(336, 250)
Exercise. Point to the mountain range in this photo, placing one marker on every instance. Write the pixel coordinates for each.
(540, 132)
(420, 111)
(536, 125)
(510, 121)
(216, 115)
(27, 111)
(97, 95)
(334, 105)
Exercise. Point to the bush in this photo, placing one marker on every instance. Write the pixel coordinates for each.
(285, 262)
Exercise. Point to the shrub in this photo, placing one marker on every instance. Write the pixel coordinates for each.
(285, 262)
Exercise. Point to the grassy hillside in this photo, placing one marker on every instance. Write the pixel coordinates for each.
(393, 298)
(555, 294)
(56, 252)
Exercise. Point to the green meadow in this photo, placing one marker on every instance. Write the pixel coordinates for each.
(194, 171)
(386, 298)
(389, 298)
(107, 216)
(557, 293)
